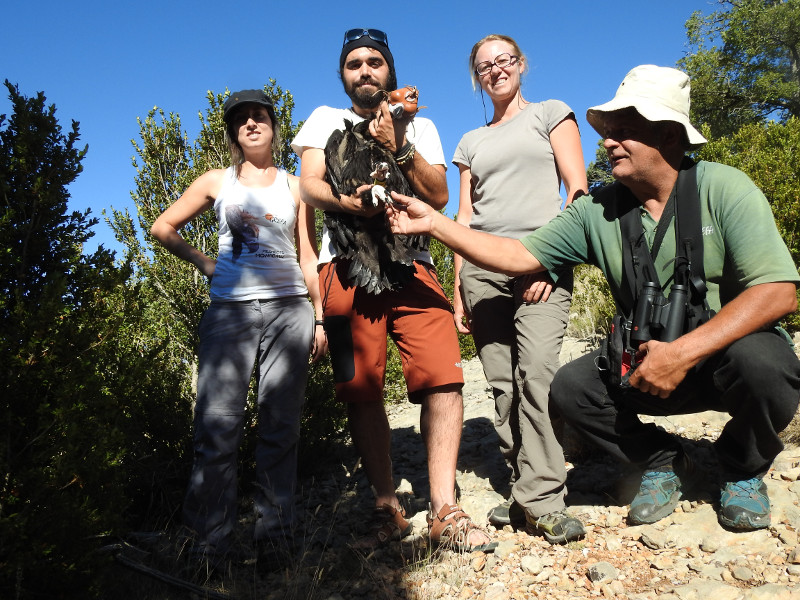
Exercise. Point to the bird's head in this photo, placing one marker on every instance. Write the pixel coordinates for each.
(404, 102)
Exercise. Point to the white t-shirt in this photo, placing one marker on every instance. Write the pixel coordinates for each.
(325, 120)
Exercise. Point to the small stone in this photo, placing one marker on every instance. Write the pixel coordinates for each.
(713, 572)
(602, 571)
(709, 545)
(613, 544)
(696, 566)
(653, 538)
(505, 548)
(791, 474)
(793, 570)
(531, 565)
(613, 520)
(478, 562)
(794, 556)
(776, 559)
(662, 563)
(742, 573)
(496, 591)
(727, 576)
(788, 537)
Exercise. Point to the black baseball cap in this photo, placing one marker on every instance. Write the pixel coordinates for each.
(244, 97)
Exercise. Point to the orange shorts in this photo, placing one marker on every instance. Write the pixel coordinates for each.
(419, 319)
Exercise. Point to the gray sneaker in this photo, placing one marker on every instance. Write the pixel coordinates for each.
(507, 513)
(556, 527)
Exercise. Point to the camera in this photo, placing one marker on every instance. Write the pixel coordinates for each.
(659, 318)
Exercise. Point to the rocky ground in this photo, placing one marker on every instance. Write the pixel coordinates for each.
(686, 556)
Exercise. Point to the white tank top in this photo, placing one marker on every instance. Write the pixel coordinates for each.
(257, 257)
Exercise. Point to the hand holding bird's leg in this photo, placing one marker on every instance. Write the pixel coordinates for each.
(408, 215)
(360, 203)
(389, 133)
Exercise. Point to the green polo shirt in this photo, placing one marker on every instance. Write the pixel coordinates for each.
(741, 244)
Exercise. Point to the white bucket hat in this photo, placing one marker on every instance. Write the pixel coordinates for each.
(657, 93)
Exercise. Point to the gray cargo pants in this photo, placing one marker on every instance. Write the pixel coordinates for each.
(276, 335)
(519, 346)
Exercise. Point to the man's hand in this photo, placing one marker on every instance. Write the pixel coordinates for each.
(354, 204)
(388, 132)
(665, 365)
(408, 215)
(319, 346)
(537, 287)
(661, 370)
(461, 318)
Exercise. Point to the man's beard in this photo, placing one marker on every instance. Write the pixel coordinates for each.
(365, 98)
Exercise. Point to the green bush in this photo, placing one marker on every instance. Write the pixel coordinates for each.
(92, 407)
(769, 154)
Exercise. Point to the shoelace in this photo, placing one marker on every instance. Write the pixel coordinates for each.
(748, 487)
(650, 478)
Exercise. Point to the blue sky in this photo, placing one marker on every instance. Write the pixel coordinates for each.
(105, 64)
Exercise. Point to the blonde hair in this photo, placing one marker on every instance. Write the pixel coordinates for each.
(491, 38)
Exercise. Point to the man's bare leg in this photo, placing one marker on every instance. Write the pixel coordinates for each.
(369, 428)
(441, 419)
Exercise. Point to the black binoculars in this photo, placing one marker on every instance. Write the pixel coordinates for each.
(659, 318)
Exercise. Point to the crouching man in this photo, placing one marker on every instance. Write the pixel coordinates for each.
(700, 276)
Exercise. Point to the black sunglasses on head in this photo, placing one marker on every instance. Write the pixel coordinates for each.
(377, 35)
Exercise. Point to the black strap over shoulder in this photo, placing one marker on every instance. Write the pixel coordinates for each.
(688, 233)
(638, 269)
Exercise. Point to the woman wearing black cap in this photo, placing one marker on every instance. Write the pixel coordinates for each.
(258, 313)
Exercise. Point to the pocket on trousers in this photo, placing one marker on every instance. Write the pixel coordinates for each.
(340, 343)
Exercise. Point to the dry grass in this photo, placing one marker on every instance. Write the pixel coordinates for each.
(791, 435)
(592, 305)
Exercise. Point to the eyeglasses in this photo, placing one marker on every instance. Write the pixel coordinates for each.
(501, 61)
(352, 35)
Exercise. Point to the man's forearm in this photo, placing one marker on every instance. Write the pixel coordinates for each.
(487, 251)
(428, 181)
(754, 309)
(317, 193)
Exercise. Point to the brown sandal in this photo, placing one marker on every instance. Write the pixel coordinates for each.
(391, 525)
(452, 528)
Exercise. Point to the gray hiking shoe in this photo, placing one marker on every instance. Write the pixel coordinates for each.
(556, 527)
(507, 513)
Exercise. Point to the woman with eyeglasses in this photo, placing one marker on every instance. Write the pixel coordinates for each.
(511, 170)
(259, 314)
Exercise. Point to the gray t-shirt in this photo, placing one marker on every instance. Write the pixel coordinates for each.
(514, 176)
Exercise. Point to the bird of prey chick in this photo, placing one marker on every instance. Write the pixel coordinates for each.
(378, 260)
